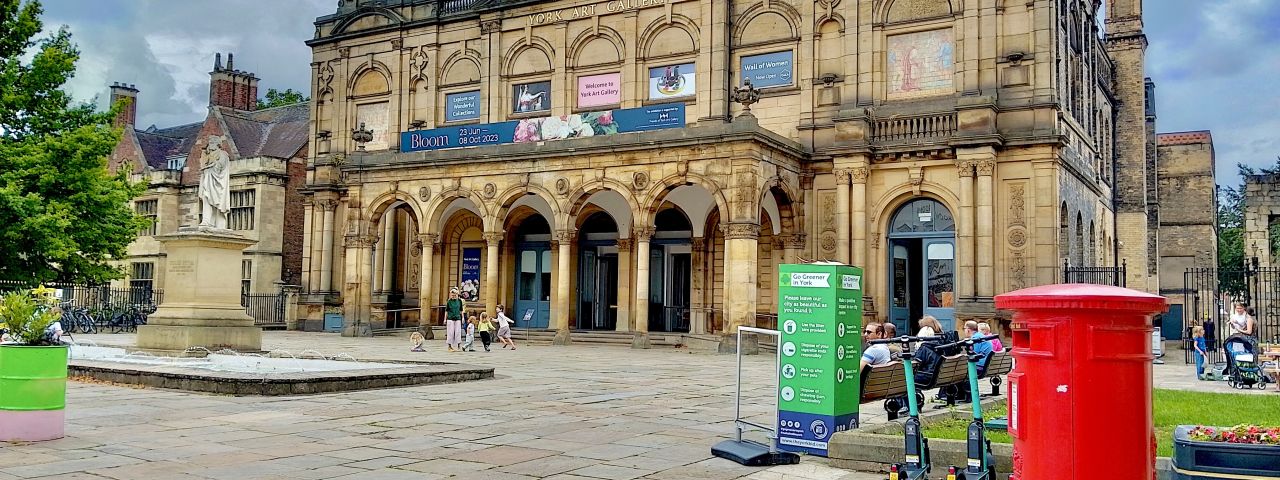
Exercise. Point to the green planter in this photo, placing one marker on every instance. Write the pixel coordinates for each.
(33, 378)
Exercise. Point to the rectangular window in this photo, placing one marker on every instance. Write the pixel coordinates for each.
(176, 162)
(531, 97)
(246, 276)
(147, 209)
(141, 282)
(462, 106)
(766, 70)
(672, 81)
(241, 215)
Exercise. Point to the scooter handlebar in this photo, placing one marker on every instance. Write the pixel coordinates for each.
(905, 339)
(970, 341)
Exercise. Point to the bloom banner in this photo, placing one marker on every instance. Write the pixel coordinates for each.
(540, 129)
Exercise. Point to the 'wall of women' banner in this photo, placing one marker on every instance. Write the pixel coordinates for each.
(541, 129)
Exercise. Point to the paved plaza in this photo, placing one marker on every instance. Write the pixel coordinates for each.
(582, 411)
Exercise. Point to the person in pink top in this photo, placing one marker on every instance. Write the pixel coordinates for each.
(984, 329)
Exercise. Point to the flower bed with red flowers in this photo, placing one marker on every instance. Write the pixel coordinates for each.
(1246, 434)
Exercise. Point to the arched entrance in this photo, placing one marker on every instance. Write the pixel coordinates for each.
(670, 271)
(396, 262)
(598, 273)
(922, 264)
(533, 272)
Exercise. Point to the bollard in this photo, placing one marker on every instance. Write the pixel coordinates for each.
(1080, 393)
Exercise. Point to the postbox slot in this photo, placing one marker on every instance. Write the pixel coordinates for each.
(1039, 340)
(1119, 343)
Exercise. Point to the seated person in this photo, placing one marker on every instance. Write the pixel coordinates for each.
(874, 354)
(984, 328)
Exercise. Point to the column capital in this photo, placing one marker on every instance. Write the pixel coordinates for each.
(698, 243)
(965, 168)
(429, 238)
(859, 174)
(328, 204)
(360, 241)
(986, 168)
(741, 230)
(493, 238)
(843, 175)
(797, 240)
(624, 244)
(565, 237)
(642, 234)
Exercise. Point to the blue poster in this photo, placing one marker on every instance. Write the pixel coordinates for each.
(769, 69)
(532, 130)
(469, 291)
(462, 106)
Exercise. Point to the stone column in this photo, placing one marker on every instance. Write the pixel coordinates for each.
(564, 291)
(426, 282)
(308, 241)
(741, 282)
(641, 336)
(858, 176)
(493, 240)
(986, 227)
(624, 285)
(966, 281)
(326, 246)
(795, 247)
(842, 216)
(697, 312)
(387, 249)
(290, 306)
(357, 293)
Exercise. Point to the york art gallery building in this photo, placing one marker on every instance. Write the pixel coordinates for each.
(593, 164)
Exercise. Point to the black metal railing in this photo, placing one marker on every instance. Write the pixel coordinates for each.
(98, 308)
(1209, 295)
(1114, 276)
(267, 309)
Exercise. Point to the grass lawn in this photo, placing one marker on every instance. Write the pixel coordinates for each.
(1172, 408)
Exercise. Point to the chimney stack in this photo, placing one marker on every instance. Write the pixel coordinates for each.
(232, 88)
(128, 115)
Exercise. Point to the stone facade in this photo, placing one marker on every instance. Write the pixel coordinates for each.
(933, 143)
(268, 150)
(1188, 207)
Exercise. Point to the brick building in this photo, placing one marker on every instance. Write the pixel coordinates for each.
(520, 150)
(268, 151)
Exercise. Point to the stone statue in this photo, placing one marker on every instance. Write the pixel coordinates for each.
(215, 184)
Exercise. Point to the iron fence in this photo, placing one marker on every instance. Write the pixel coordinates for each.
(1209, 294)
(1096, 275)
(267, 309)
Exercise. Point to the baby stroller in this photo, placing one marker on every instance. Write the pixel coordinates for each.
(1243, 370)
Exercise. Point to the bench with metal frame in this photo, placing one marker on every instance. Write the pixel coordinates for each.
(888, 382)
(998, 364)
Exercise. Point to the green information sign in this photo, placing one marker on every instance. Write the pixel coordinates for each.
(820, 316)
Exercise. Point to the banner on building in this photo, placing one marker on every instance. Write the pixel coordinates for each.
(769, 69)
(469, 290)
(531, 97)
(462, 106)
(599, 90)
(540, 129)
(672, 81)
(820, 316)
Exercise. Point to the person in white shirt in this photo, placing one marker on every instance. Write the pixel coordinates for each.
(504, 329)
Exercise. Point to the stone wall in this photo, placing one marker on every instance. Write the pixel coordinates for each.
(1188, 207)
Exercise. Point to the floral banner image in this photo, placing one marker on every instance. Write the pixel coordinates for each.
(578, 125)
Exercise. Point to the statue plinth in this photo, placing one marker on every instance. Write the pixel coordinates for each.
(201, 306)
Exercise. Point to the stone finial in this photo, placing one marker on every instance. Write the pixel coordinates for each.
(746, 95)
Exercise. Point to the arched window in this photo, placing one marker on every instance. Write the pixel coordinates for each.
(1078, 245)
(1064, 236)
(922, 215)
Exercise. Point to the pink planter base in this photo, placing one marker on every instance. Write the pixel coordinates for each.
(32, 425)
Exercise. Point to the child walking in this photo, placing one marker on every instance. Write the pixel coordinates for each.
(486, 330)
(1197, 333)
(471, 335)
(504, 329)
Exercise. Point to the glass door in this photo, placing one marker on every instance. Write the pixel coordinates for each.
(587, 288)
(899, 285)
(939, 274)
(606, 307)
(533, 288)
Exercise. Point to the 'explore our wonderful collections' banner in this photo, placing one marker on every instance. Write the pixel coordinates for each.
(540, 129)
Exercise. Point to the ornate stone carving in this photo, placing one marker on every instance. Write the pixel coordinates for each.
(904, 10)
(640, 181)
(965, 168)
(344, 52)
(397, 43)
(741, 230)
(642, 234)
(215, 184)
(328, 205)
(324, 78)
(624, 244)
(828, 242)
(490, 27)
(490, 190)
(1017, 205)
(418, 65)
(874, 240)
(565, 236)
(493, 238)
(1017, 271)
(842, 176)
(858, 175)
(429, 238)
(1017, 237)
(797, 240)
(562, 186)
(424, 193)
(986, 168)
(698, 244)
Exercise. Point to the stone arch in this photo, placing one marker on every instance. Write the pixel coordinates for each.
(832, 18)
(760, 24)
(518, 215)
(436, 209)
(375, 17)
(1078, 242)
(786, 199)
(579, 196)
(893, 11)
(389, 200)
(508, 197)
(829, 53)
(529, 58)
(658, 193)
(662, 38)
(888, 203)
(371, 78)
(597, 48)
(461, 67)
(1064, 232)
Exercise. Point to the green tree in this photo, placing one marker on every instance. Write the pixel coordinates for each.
(277, 98)
(63, 215)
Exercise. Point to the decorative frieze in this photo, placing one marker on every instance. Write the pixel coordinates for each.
(741, 230)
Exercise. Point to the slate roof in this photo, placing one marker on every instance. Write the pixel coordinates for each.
(1185, 138)
(274, 132)
(160, 144)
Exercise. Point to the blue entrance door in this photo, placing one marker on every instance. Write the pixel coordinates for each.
(939, 277)
(922, 265)
(533, 287)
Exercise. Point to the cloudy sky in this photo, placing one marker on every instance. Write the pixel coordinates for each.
(1216, 62)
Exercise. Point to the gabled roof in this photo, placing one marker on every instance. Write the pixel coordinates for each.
(160, 144)
(274, 132)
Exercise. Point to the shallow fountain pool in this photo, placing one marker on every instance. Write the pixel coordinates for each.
(226, 362)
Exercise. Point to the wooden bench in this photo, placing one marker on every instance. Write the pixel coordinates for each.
(1000, 363)
(886, 382)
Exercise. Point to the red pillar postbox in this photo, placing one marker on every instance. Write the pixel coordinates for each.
(1080, 391)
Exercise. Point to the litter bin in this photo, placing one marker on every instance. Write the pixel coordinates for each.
(1080, 391)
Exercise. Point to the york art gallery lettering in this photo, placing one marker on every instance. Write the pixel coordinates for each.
(613, 6)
